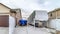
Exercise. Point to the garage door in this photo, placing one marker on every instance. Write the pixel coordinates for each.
(4, 20)
(55, 23)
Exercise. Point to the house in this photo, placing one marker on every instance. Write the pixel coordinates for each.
(54, 19)
(38, 16)
(4, 15)
(54, 14)
(18, 14)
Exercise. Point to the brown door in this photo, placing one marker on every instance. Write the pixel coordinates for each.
(4, 20)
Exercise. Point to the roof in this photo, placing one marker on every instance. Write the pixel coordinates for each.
(5, 6)
(54, 10)
(39, 10)
(16, 9)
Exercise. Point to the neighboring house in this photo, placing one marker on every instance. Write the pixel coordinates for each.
(54, 19)
(18, 14)
(38, 16)
(54, 14)
(4, 14)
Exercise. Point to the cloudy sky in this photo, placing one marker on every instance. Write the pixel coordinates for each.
(28, 6)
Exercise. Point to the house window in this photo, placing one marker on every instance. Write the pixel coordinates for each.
(51, 14)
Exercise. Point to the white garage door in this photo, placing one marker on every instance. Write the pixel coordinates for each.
(55, 23)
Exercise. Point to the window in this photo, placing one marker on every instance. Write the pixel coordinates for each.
(51, 14)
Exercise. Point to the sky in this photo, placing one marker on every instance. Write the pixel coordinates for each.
(28, 6)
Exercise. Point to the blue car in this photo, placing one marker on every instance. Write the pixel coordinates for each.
(23, 22)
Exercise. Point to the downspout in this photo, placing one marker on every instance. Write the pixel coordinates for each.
(56, 14)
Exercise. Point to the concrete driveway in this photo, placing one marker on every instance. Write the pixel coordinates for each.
(24, 30)
(30, 30)
(4, 30)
